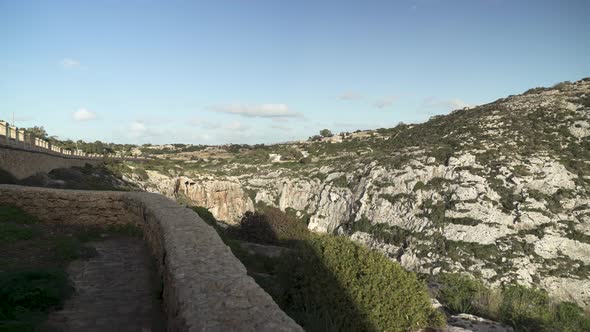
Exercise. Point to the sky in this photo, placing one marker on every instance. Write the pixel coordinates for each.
(216, 72)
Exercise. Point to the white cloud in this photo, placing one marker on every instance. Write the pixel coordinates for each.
(70, 63)
(384, 102)
(350, 95)
(83, 114)
(258, 111)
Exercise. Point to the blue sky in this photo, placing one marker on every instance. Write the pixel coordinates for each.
(210, 72)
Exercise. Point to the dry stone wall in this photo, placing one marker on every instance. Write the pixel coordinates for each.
(206, 288)
(25, 161)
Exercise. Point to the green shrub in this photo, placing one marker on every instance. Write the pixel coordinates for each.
(26, 297)
(290, 153)
(141, 173)
(523, 308)
(286, 227)
(271, 226)
(15, 225)
(255, 228)
(390, 234)
(305, 160)
(341, 182)
(459, 293)
(570, 318)
(332, 284)
(10, 232)
(526, 309)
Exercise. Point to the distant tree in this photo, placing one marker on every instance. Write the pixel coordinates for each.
(38, 132)
(326, 133)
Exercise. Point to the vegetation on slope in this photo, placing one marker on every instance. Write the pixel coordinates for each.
(525, 309)
(329, 283)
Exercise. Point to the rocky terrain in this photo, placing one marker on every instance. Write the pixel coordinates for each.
(500, 191)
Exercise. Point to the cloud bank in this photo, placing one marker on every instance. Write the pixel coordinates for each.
(257, 111)
(83, 114)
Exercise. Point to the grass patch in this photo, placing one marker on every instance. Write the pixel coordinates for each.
(10, 232)
(33, 258)
(26, 297)
(15, 225)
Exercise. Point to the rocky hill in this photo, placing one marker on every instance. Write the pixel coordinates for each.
(500, 191)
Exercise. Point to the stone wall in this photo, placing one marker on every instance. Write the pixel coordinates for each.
(24, 161)
(206, 288)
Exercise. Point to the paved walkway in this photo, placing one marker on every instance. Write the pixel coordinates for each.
(115, 291)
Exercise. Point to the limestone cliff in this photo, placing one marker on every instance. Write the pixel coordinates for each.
(500, 191)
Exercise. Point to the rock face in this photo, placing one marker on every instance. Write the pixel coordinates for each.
(500, 191)
(225, 197)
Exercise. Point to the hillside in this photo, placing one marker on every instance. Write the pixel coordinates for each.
(500, 191)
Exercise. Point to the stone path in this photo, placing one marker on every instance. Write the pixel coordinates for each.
(115, 291)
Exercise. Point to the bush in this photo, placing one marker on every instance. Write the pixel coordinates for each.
(332, 284)
(143, 175)
(271, 226)
(570, 318)
(326, 133)
(305, 160)
(255, 228)
(290, 153)
(526, 309)
(459, 293)
(523, 308)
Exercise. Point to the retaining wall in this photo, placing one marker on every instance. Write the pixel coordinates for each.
(24, 161)
(206, 288)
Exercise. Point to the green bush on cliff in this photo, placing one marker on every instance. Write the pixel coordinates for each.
(329, 283)
(525, 309)
(271, 226)
(332, 283)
